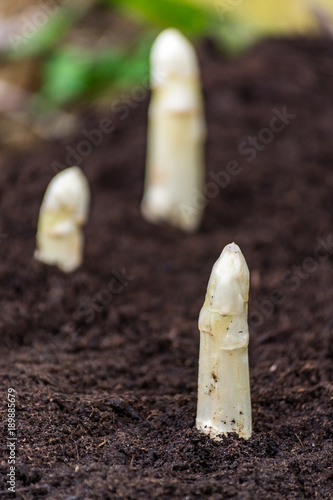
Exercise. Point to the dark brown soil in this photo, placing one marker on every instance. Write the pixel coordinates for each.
(106, 380)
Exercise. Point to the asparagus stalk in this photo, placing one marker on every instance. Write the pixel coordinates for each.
(63, 212)
(224, 401)
(176, 132)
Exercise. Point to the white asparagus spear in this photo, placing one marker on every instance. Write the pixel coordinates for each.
(224, 400)
(63, 212)
(176, 133)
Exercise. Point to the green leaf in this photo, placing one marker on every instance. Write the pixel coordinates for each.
(72, 74)
(66, 76)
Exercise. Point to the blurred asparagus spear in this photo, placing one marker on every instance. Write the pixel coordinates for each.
(63, 212)
(176, 133)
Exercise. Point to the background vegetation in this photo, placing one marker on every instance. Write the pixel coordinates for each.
(68, 52)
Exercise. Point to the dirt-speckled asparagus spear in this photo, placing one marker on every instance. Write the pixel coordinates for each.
(224, 401)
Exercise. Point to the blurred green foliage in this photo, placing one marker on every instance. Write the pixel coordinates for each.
(72, 72)
(188, 17)
(47, 37)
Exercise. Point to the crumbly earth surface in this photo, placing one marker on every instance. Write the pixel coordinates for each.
(104, 361)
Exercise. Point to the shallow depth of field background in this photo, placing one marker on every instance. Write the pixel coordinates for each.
(107, 383)
(60, 56)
